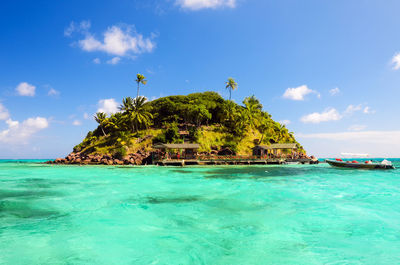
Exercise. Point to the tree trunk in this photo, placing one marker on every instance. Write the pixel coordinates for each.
(103, 131)
(230, 94)
(262, 137)
(137, 96)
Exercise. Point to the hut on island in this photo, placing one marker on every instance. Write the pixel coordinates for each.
(178, 151)
(274, 149)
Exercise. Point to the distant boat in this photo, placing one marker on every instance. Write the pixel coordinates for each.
(385, 164)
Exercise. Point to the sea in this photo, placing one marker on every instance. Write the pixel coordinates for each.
(272, 214)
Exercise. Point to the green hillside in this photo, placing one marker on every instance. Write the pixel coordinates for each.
(205, 118)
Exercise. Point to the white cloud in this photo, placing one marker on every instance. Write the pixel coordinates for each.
(334, 91)
(82, 27)
(330, 114)
(76, 123)
(97, 61)
(367, 110)
(4, 115)
(25, 89)
(352, 108)
(285, 122)
(118, 41)
(108, 106)
(53, 92)
(298, 93)
(202, 4)
(396, 61)
(357, 127)
(21, 132)
(86, 116)
(114, 60)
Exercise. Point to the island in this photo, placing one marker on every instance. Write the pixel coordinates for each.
(198, 128)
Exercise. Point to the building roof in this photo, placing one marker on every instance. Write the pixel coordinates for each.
(177, 146)
(183, 132)
(278, 146)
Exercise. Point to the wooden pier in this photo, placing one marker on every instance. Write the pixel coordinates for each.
(195, 162)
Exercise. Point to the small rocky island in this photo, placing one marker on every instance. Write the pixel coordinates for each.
(220, 128)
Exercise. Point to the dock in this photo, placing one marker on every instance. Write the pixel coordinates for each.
(199, 162)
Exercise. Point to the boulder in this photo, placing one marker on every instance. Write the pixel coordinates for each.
(59, 160)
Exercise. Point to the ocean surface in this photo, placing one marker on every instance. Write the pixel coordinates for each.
(293, 214)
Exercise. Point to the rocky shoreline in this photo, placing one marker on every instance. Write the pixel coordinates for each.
(139, 158)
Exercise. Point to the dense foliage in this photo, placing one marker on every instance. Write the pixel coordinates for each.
(197, 114)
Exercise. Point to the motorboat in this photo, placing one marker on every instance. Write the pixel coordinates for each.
(385, 164)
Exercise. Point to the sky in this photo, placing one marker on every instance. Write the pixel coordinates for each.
(329, 70)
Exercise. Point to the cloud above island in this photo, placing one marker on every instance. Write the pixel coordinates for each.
(114, 60)
(334, 91)
(299, 93)
(205, 4)
(116, 40)
(20, 132)
(396, 61)
(4, 114)
(330, 114)
(108, 106)
(25, 89)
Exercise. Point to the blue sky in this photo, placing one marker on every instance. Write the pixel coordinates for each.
(329, 69)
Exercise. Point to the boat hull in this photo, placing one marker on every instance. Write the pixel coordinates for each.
(358, 165)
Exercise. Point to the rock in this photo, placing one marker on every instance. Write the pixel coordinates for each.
(118, 162)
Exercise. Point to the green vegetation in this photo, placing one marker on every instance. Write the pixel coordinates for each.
(205, 118)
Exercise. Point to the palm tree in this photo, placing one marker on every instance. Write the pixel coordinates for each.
(140, 79)
(263, 127)
(253, 110)
(127, 108)
(100, 118)
(116, 122)
(231, 85)
(141, 116)
(136, 112)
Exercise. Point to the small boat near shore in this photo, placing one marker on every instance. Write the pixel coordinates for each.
(385, 164)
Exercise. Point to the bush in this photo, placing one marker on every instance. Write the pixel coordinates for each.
(120, 153)
(159, 138)
(172, 133)
(194, 134)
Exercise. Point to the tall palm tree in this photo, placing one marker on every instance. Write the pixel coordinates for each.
(100, 118)
(231, 85)
(140, 79)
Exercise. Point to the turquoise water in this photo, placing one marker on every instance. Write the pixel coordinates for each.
(300, 214)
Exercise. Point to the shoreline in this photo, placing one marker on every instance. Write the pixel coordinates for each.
(146, 158)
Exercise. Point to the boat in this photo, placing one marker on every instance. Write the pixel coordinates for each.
(385, 164)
